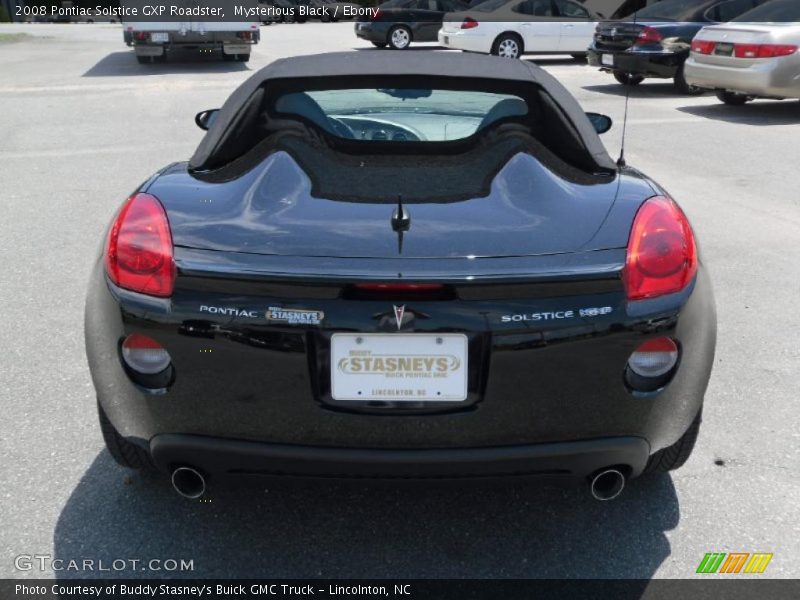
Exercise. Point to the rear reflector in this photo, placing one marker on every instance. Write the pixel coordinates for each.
(138, 254)
(654, 358)
(469, 23)
(144, 355)
(662, 256)
(400, 288)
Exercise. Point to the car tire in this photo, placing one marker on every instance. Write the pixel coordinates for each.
(684, 87)
(673, 457)
(143, 60)
(732, 98)
(627, 78)
(121, 450)
(508, 45)
(379, 44)
(399, 37)
(243, 57)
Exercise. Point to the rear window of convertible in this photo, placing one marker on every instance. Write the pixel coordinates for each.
(400, 114)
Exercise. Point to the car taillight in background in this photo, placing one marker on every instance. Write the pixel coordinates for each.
(138, 253)
(746, 50)
(703, 46)
(763, 50)
(140, 36)
(244, 35)
(469, 23)
(377, 15)
(662, 255)
(649, 35)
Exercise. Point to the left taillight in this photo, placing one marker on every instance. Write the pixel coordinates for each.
(138, 253)
(469, 23)
(662, 254)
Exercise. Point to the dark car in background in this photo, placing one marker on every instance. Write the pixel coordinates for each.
(655, 41)
(400, 22)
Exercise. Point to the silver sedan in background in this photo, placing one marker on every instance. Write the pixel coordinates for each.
(757, 55)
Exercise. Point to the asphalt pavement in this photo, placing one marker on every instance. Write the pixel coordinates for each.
(82, 124)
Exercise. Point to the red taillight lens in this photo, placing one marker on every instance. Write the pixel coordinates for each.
(662, 256)
(244, 35)
(763, 50)
(703, 46)
(469, 23)
(141, 35)
(139, 248)
(649, 35)
(377, 14)
(400, 288)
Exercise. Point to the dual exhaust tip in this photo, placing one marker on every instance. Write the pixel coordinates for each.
(604, 485)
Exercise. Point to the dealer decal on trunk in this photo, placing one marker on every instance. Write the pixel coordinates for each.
(294, 316)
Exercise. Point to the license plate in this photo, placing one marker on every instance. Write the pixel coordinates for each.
(159, 37)
(607, 59)
(723, 49)
(402, 367)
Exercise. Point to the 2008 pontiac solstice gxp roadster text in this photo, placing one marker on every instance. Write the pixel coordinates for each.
(378, 267)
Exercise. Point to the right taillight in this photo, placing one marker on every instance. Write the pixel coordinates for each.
(662, 255)
(138, 252)
(763, 50)
(469, 23)
(649, 35)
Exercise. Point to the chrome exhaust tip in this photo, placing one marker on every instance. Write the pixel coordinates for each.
(188, 482)
(607, 484)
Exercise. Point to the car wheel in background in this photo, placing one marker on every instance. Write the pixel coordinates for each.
(507, 45)
(673, 457)
(627, 78)
(243, 57)
(379, 44)
(732, 98)
(684, 87)
(121, 450)
(399, 37)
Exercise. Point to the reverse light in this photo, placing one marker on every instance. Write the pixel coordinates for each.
(469, 23)
(652, 365)
(144, 355)
(662, 254)
(649, 35)
(703, 46)
(654, 358)
(138, 253)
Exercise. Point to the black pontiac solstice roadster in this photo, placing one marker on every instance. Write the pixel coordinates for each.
(379, 267)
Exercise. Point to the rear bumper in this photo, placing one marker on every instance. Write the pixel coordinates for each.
(773, 78)
(224, 458)
(372, 32)
(647, 64)
(463, 40)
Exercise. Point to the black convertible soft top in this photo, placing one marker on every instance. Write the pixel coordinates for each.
(575, 132)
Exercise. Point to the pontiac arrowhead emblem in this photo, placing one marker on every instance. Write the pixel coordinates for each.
(399, 311)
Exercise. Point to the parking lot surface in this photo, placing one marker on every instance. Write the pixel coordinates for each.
(82, 124)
